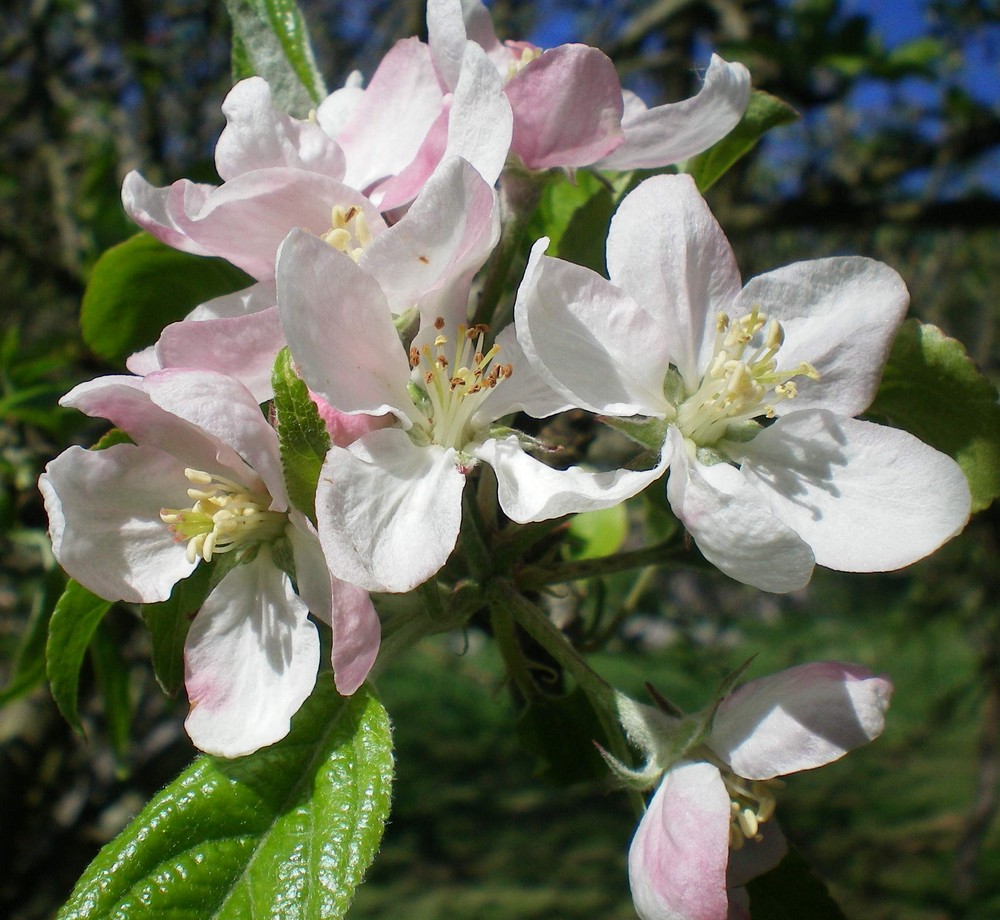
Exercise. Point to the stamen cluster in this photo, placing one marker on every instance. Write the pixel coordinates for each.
(349, 231)
(751, 804)
(457, 387)
(225, 516)
(737, 386)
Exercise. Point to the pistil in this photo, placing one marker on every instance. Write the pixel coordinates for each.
(225, 516)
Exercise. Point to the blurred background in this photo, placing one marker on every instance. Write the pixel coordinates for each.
(896, 156)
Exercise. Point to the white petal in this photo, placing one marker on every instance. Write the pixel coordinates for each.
(679, 130)
(446, 38)
(840, 315)
(389, 512)
(799, 718)
(865, 497)
(529, 490)
(257, 135)
(733, 526)
(254, 299)
(250, 660)
(667, 252)
(755, 858)
(225, 409)
(590, 341)
(677, 859)
(150, 207)
(104, 520)
(339, 329)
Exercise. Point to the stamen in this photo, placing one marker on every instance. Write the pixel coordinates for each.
(225, 515)
(347, 238)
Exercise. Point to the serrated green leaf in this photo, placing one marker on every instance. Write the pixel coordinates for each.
(598, 533)
(139, 286)
(111, 672)
(932, 389)
(168, 623)
(77, 614)
(790, 891)
(302, 435)
(270, 39)
(286, 832)
(763, 113)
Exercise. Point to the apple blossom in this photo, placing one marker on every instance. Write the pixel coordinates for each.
(752, 392)
(708, 828)
(203, 479)
(568, 104)
(389, 505)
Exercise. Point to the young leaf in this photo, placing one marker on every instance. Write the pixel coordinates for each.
(270, 39)
(286, 832)
(302, 436)
(78, 613)
(598, 533)
(763, 113)
(27, 669)
(139, 286)
(933, 390)
(168, 623)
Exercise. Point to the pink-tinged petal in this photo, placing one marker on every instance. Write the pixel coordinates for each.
(345, 429)
(250, 660)
(357, 633)
(567, 108)
(755, 857)
(143, 362)
(242, 347)
(389, 124)
(667, 251)
(799, 719)
(524, 391)
(398, 190)
(124, 402)
(479, 28)
(529, 490)
(104, 520)
(152, 209)
(589, 340)
(674, 132)
(444, 238)
(732, 524)
(254, 299)
(841, 316)
(865, 497)
(246, 219)
(348, 609)
(340, 331)
(677, 860)
(225, 409)
(257, 136)
(389, 512)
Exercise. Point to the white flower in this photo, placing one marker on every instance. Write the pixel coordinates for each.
(755, 390)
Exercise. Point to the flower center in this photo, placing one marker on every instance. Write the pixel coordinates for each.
(751, 803)
(455, 388)
(742, 382)
(224, 517)
(349, 231)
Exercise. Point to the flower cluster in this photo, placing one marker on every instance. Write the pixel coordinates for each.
(365, 227)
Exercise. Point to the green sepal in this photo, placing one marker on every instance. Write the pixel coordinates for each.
(763, 113)
(287, 832)
(139, 286)
(651, 433)
(270, 39)
(77, 615)
(302, 435)
(932, 389)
